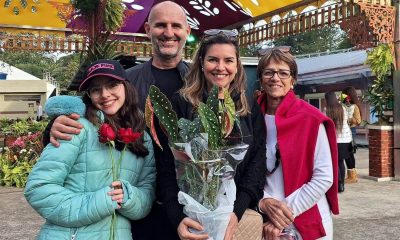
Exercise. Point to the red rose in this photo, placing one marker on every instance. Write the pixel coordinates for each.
(106, 133)
(126, 135)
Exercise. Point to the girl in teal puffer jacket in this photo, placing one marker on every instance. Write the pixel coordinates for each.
(90, 187)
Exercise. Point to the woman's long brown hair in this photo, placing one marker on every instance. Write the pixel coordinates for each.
(334, 110)
(196, 84)
(128, 116)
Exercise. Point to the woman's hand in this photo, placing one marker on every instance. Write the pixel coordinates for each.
(278, 212)
(232, 226)
(270, 232)
(63, 126)
(118, 193)
(185, 234)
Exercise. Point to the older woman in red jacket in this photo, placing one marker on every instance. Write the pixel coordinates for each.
(301, 189)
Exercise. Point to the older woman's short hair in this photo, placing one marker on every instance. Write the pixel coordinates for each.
(277, 55)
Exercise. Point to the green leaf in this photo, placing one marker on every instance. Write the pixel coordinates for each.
(212, 100)
(164, 112)
(229, 113)
(210, 124)
(189, 129)
(149, 118)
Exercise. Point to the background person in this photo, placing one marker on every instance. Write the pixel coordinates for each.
(337, 112)
(301, 182)
(353, 110)
(72, 186)
(39, 112)
(168, 30)
(217, 62)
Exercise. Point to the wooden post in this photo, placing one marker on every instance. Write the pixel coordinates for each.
(396, 88)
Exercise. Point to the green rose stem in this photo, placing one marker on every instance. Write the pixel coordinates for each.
(115, 173)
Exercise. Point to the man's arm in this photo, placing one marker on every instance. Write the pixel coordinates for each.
(61, 128)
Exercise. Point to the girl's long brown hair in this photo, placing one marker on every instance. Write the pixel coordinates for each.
(196, 84)
(128, 116)
(334, 110)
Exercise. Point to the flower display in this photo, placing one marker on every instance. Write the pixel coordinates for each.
(206, 154)
(17, 160)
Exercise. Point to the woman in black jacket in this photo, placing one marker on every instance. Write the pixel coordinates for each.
(217, 63)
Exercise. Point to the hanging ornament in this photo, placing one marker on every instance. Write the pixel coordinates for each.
(7, 3)
(24, 3)
(16, 10)
(33, 9)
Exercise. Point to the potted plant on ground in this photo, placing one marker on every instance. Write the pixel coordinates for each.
(380, 96)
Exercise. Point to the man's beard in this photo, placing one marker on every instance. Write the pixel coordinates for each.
(166, 56)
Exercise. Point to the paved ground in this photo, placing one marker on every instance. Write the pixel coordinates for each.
(368, 210)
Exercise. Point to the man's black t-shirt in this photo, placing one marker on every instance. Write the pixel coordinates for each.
(167, 80)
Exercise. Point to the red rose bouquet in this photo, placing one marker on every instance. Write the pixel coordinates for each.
(107, 135)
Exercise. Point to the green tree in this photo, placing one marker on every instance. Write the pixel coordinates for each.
(329, 38)
(61, 69)
(30, 62)
(65, 70)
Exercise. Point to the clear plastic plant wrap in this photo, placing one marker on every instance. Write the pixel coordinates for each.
(206, 155)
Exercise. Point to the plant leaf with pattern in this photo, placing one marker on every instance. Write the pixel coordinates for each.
(210, 124)
(164, 112)
(212, 100)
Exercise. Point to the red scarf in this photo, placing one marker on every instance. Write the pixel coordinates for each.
(297, 124)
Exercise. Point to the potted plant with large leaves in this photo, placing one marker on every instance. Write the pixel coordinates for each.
(206, 153)
(380, 96)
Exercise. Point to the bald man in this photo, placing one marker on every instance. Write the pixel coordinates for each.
(168, 30)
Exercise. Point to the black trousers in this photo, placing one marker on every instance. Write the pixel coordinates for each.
(154, 226)
(343, 153)
(351, 161)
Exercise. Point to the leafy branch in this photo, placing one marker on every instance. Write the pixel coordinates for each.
(380, 94)
(214, 118)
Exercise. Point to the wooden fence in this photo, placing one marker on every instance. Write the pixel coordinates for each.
(304, 22)
(139, 47)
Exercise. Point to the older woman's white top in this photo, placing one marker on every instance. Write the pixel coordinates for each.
(310, 193)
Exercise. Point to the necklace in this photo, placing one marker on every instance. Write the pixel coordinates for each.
(277, 160)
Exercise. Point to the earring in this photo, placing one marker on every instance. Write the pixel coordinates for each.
(292, 87)
(202, 69)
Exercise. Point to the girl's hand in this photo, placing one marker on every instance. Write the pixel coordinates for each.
(118, 193)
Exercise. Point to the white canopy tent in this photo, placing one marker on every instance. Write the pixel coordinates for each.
(17, 74)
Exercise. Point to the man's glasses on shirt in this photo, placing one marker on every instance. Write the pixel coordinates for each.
(266, 51)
